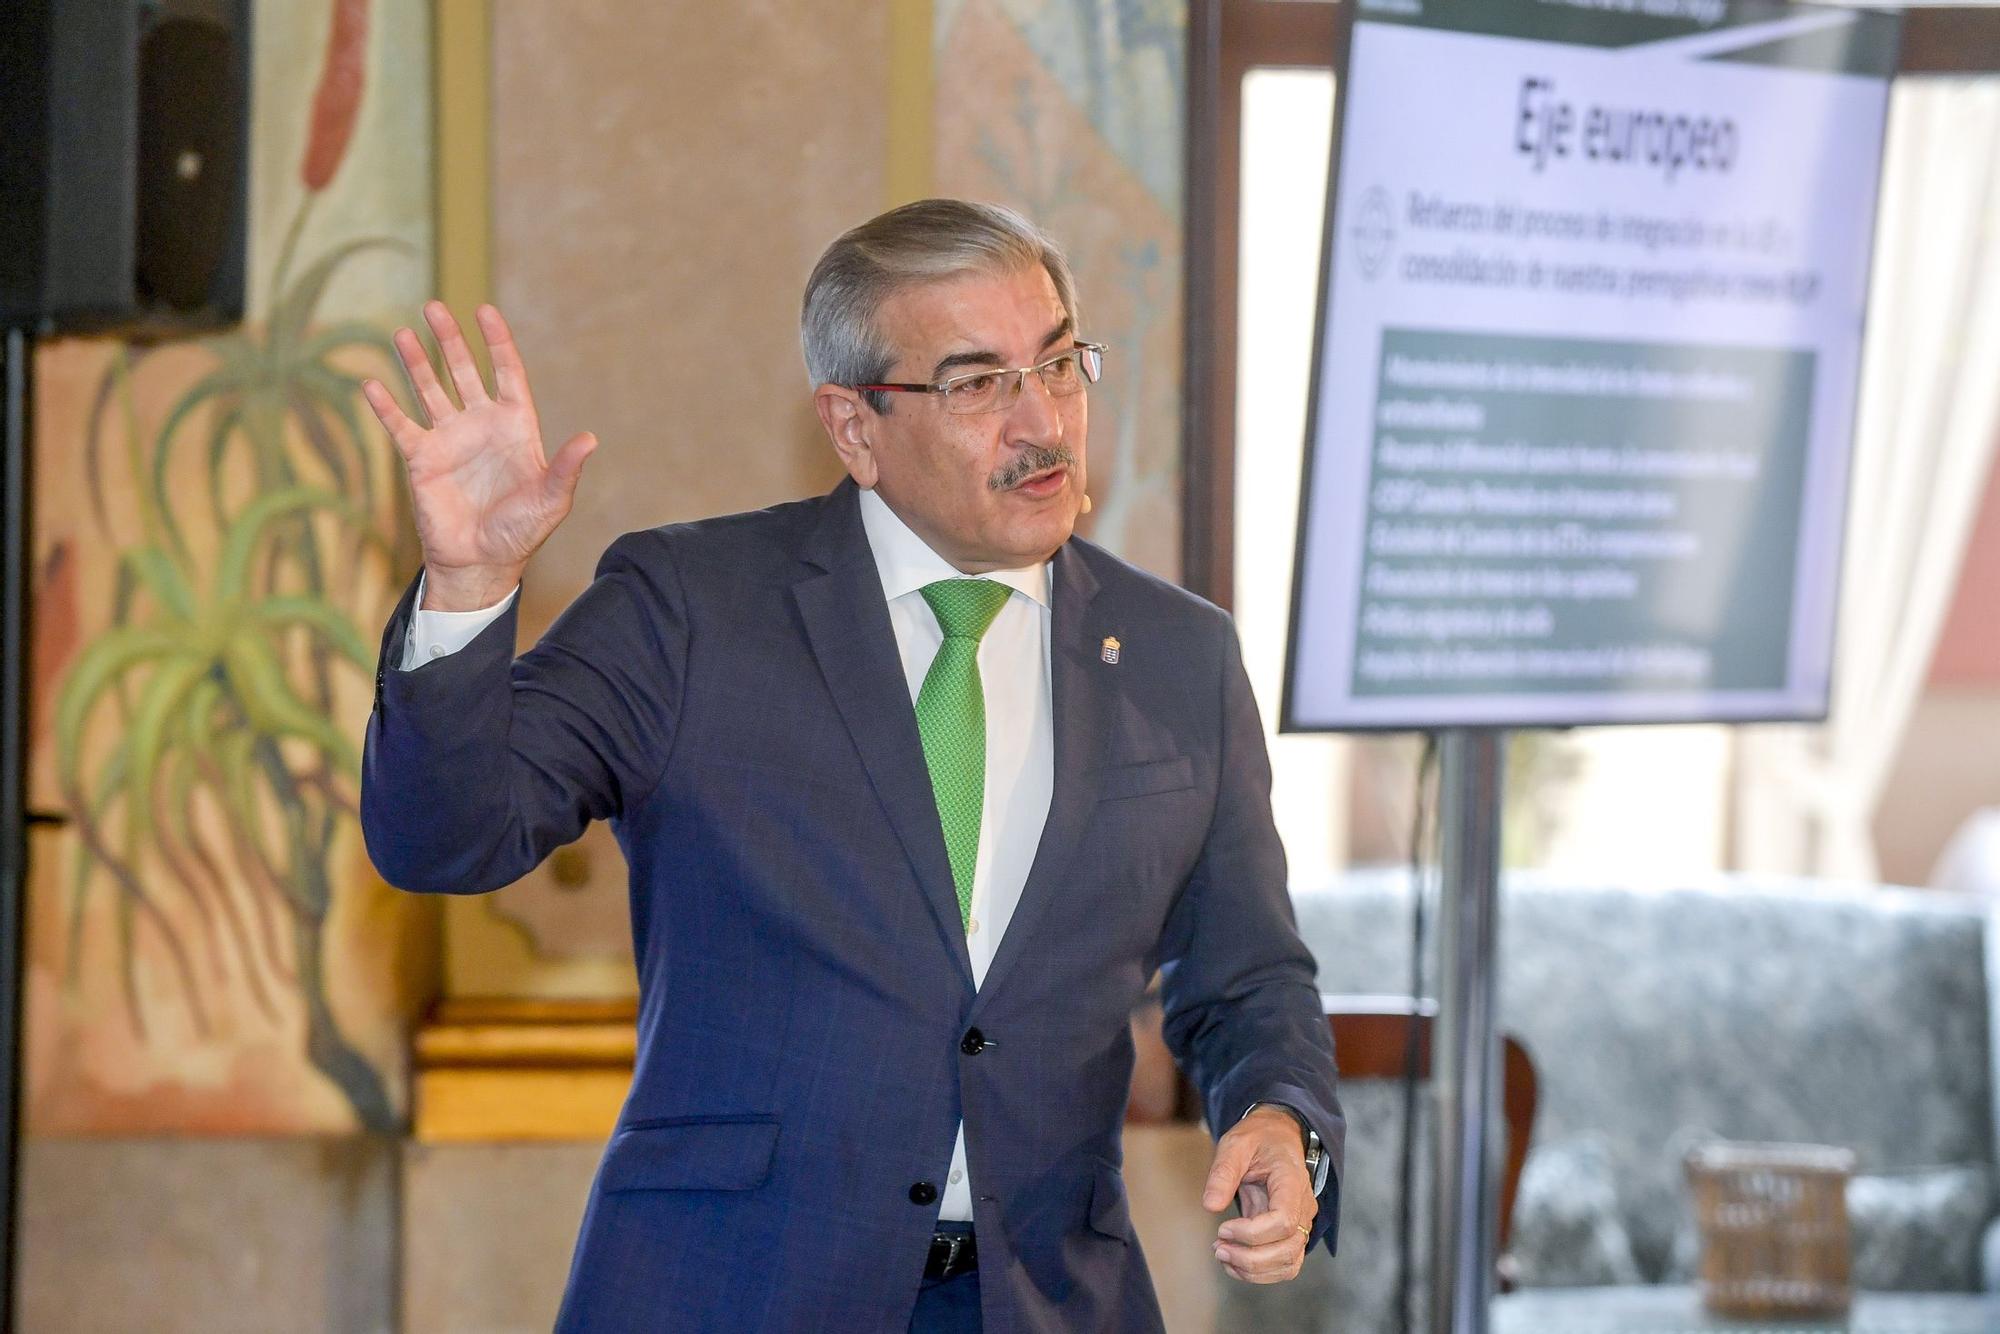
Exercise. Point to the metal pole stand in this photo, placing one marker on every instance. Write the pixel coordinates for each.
(1465, 1065)
(16, 381)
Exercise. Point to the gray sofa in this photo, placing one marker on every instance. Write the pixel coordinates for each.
(1742, 1009)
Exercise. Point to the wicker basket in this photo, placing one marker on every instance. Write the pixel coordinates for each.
(1773, 1221)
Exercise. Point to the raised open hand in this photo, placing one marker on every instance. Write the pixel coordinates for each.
(484, 491)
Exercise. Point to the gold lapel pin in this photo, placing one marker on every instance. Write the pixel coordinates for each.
(1110, 653)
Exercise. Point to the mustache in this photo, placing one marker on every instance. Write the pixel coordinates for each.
(1031, 460)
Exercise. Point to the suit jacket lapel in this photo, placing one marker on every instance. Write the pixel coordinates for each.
(847, 624)
(1082, 695)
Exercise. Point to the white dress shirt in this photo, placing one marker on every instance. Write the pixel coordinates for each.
(1020, 738)
(1020, 727)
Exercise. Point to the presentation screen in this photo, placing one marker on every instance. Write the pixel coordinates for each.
(1588, 351)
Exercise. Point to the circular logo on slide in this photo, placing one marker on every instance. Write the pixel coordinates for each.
(1374, 232)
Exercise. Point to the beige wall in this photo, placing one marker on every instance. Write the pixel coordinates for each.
(1969, 646)
(1946, 770)
(661, 188)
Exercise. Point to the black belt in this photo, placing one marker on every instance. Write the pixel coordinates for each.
(952, 1254)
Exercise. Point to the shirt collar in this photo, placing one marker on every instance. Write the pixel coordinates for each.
(906, 563)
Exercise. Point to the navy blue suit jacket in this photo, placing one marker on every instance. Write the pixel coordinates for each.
(728, 694)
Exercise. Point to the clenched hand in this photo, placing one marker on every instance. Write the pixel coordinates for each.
(1261, 1163)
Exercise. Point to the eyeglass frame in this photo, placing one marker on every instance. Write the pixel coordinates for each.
(1020, 374)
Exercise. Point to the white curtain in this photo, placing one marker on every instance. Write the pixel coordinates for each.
(1924, 449)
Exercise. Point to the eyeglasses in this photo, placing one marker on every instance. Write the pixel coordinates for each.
(1064, 374)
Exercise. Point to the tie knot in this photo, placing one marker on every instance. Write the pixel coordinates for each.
(965, 607)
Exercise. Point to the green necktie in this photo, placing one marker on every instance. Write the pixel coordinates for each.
(951, 718)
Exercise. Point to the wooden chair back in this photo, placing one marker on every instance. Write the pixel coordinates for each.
(1371, 1041)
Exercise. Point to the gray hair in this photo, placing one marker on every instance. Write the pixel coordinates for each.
(929, 241)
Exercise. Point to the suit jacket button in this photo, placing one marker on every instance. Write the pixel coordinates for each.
(923, 1193)
(973, 1042)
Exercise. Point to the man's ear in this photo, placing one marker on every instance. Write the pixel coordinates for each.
(848, 424)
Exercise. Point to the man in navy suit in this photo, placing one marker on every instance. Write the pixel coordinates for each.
(918, 792)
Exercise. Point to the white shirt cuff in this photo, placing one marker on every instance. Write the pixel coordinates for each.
(438, 634)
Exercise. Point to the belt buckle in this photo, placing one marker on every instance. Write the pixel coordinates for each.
(954, 1242)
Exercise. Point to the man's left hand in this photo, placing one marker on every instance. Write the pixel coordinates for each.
(1261, 1163)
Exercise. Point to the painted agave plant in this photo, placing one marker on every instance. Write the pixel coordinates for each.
(211, 714)
(227, 779)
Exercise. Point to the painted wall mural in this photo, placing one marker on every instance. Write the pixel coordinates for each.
(222, 528)
(1071, 110)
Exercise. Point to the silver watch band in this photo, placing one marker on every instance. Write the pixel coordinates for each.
(1317, 1163)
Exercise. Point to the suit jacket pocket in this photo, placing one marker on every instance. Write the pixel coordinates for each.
(1109, 1213)
(691, 1153)
(1146, 778)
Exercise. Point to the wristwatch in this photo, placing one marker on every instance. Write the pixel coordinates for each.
(1316, 1159)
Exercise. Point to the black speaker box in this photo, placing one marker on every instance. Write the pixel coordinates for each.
(124, 161)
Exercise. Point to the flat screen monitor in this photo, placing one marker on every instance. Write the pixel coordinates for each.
(1587, 360)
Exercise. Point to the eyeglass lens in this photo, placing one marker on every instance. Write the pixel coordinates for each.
(991, 390)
